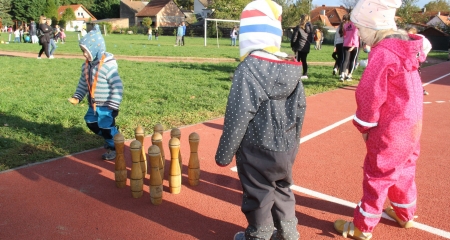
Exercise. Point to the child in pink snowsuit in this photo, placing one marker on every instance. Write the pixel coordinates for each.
(389, 115)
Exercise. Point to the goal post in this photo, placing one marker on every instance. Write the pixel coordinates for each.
(215, 20)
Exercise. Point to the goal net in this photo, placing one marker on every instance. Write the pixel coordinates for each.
(215, 29)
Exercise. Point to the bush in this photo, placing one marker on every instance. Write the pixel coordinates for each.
(212, 32)
(133, 28)
(108, 27)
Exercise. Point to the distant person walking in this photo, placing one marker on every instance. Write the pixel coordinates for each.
(32, 32)
(63, 36)
(51, 44)
(149, 32)
(338, 47)
(233, 35)
(179, 35)
(17, 36)
(301, 42)
(351, 48)
(183, 25)
(318, 39)
(44, 39)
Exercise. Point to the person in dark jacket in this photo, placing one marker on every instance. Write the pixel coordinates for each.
(263, 121)
(51, 44)
(44, 40)
(32, 32)
(301, 42)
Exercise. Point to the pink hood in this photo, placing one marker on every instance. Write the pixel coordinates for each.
(410, 52)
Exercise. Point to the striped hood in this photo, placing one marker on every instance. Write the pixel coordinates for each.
(94, 43)
(260, 28)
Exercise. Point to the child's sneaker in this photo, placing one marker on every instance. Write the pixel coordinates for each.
(348, 229)
(109, 155)
(334, 71)
(239, 236)
(39, 58)
(425, 92)
(391, 213)
(304, 77)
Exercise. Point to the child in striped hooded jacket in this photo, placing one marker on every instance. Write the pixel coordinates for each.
(101, 82)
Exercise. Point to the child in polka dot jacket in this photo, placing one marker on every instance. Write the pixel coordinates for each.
(263, 121)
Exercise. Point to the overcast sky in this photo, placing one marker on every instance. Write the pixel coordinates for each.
(419, 3)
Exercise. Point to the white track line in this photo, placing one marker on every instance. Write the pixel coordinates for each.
(346, 203)
(324, 130)
(436, 79)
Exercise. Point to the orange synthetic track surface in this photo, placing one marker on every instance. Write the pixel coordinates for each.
(75, 197)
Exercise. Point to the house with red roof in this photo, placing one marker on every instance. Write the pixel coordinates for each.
(129, 8)
(439, 20)
(164, 13)
(330, 16)
(82, 16)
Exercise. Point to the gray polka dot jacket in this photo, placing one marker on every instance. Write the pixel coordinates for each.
(265, 108)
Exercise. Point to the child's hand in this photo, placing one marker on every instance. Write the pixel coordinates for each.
(74, 101)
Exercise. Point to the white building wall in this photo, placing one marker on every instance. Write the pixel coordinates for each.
(81, 13)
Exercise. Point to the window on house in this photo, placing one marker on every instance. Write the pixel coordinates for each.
(331, 16)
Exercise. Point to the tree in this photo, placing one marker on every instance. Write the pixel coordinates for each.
(86, 3)
(25, 10)
(105, 9)
(349, 4)
(68, 16)
(228, 9)
(292, 11)
(438, 6)
(186, 4)
(51, 10)
(147, 22)
(407, 11)
(5, 8)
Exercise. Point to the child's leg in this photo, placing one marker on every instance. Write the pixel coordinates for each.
(267, 201)
(382, 171)
(353, 60)
(102, 124)
(283, 213)
(107, 124)
(403, 194)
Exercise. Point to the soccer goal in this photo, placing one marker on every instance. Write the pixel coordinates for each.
(216, 27)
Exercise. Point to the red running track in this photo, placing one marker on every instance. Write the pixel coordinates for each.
(75, 197)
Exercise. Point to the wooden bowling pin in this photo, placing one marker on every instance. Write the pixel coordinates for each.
(119, 166)
(158, 128)
(194, 164)
(139, 135)
(175, 132)
(175, 171)
(156, 186)
(136, 180)
(157, 140)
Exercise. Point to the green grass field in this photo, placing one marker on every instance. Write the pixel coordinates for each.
(37, 122)
(138, 45)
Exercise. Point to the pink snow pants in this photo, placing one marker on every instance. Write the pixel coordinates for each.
(389, 171)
